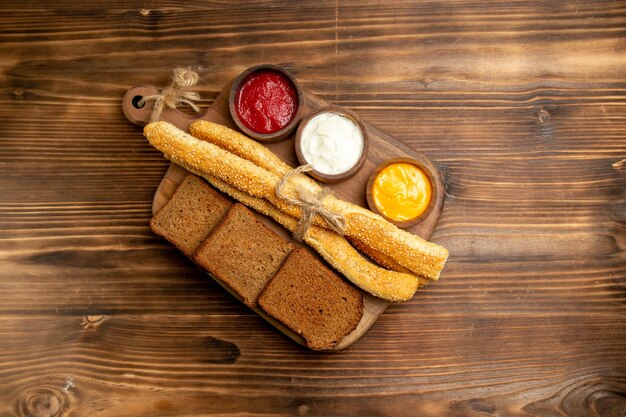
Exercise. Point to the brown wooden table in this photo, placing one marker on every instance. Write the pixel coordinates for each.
(522, 105)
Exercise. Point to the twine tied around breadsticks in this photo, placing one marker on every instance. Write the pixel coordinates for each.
(175, 93)
(311, 204)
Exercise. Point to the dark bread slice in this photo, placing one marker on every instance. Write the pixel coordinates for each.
(243, 253)
(190, 215)
(312, 301)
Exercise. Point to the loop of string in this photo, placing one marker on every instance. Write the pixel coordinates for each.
(311, 205)
(175, 93)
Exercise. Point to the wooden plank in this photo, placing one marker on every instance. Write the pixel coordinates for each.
(528, 317)
(204, 365)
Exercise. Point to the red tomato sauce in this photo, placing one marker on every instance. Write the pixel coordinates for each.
(266, 101)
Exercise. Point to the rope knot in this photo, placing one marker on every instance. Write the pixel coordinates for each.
(175, 93)
(311, 204)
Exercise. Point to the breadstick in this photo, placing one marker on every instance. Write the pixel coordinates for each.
(388, 285)
(421, 257)
(240, 145)
(378, 257)
(253, 151)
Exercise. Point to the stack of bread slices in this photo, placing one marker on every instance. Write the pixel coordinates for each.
(265, 271)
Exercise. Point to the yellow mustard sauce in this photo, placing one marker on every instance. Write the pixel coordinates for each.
(402, 191)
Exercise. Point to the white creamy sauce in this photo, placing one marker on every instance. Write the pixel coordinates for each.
(331, 143)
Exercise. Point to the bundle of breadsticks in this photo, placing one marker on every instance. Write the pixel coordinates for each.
(250, 173)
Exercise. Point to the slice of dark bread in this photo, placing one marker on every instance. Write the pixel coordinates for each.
(312, 301)
(243, 253)
(191, 214)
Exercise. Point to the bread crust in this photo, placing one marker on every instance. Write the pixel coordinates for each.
(312, 301)
(242, 273)
(198, 221)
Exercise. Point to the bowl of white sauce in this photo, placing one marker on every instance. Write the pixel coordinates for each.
(333, 141)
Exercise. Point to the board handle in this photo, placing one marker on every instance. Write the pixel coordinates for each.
(141, 115)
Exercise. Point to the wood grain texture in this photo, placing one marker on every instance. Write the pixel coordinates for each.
(522, 105)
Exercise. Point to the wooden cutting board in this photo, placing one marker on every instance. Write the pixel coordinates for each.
(382, 147)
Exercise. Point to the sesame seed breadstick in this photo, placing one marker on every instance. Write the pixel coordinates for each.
(388, 285)
(421, 257)
(379, 257)
(240, 145)
(255, 152)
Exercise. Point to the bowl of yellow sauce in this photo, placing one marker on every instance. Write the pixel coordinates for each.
(402, 191)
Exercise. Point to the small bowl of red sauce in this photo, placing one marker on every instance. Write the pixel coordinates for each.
(266, 102)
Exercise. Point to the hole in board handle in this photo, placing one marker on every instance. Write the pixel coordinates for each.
(136, 101)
